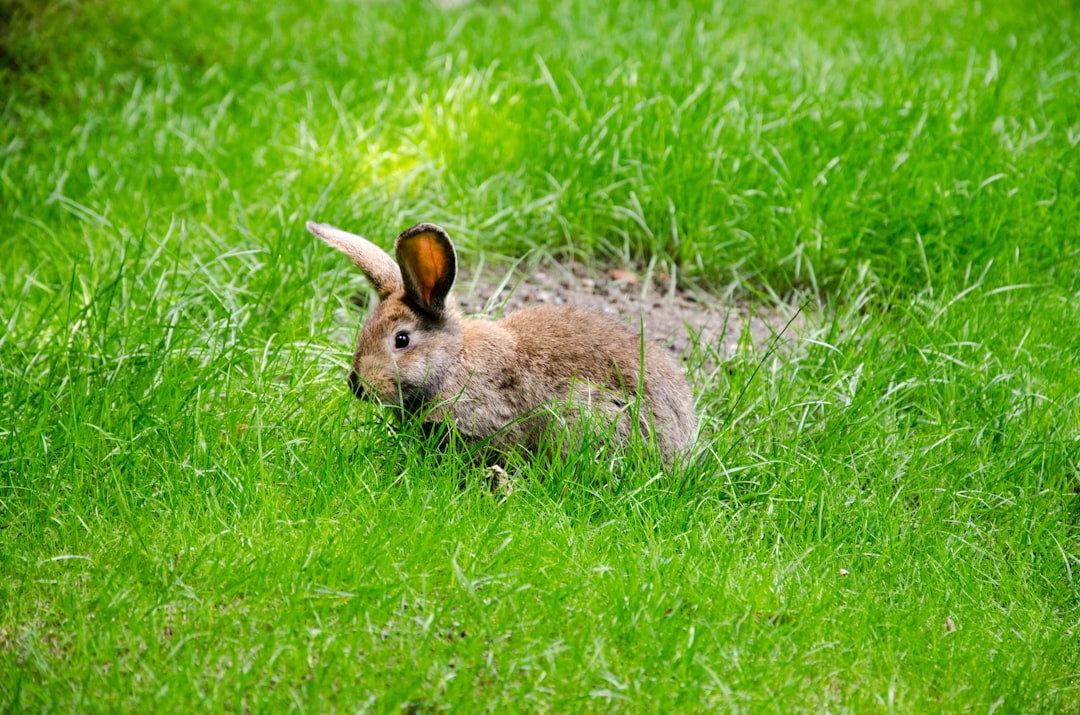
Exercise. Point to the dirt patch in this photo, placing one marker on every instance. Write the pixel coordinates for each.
(671, 314)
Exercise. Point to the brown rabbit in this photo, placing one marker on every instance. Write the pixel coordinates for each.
(504, 382)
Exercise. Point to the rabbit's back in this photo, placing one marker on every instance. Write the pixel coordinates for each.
(568, 341)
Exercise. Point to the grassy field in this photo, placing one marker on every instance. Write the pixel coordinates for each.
(195, 514)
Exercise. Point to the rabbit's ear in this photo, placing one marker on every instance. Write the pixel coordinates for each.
(376, 263)
(428, 266)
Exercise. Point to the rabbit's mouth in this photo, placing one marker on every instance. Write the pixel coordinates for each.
(408, 402)
(368, 391)
(359, 386)
(394, 395)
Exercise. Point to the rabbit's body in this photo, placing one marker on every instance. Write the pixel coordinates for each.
(572, 360)
(508, 382)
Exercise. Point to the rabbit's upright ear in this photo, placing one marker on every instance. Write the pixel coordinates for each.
(428, 266)
(376, 263)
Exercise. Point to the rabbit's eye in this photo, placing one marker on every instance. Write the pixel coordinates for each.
(401, 340)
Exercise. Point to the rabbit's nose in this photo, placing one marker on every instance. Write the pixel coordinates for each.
(356, 384)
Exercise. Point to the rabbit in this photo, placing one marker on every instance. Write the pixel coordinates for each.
(502, 383)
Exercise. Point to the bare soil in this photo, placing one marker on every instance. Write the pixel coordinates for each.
(671, 314)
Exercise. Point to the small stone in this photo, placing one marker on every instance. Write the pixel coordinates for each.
(624, 276)
(499, 482)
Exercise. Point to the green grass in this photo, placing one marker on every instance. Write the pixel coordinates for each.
(195, 514)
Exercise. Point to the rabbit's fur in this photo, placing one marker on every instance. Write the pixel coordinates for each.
(506, 382)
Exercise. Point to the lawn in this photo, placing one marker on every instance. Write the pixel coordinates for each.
(196, 514)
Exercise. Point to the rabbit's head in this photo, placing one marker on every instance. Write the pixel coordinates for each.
(414, 335)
